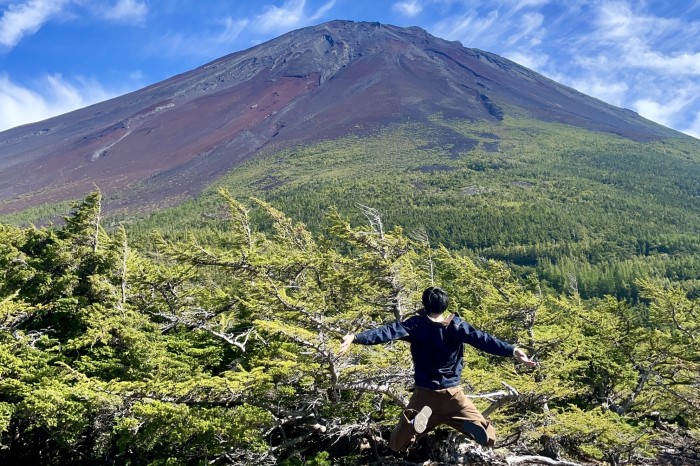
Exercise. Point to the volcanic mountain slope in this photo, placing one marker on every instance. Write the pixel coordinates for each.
(163, 143)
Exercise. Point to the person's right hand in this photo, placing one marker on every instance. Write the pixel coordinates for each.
(347, 341)
(521, 356)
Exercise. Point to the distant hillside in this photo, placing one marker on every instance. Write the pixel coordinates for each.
(589, 210)
(162, 144)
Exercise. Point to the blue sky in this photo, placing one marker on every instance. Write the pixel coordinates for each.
(59, 55)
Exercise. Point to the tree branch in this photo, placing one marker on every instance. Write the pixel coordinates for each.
(372, 387)
(538, 460)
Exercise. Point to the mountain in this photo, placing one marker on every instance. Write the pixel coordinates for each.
(163, 144)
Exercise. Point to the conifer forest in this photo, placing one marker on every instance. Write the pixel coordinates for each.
(123, 348)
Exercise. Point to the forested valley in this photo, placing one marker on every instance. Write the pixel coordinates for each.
(178, 347)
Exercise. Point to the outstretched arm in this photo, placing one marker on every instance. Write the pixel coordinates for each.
(484, 341)
(492, 345)
(388, 332)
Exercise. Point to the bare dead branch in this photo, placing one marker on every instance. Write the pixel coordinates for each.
(531, 459)
(374, 218)
(384, 389)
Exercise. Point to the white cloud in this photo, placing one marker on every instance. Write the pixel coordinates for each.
(679, 64)
(232, 28)
(606, 89)
(531, 3)
(616, 21)
(641, 40)
(19, 20)
(496, 25)
(532, 61)
(290, 15)
(321, 12)
(284, 17)
(20, 105)
(518, 5)
(408, 8)
(653, 111)
(530, 24)
(667, 111)
(128, 11)
(468, 28)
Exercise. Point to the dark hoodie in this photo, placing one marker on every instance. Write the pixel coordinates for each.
(437, 348)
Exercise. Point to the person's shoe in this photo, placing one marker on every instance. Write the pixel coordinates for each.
(420, 422)
(477, 432)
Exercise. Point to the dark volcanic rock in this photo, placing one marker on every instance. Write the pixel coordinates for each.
(163, 143)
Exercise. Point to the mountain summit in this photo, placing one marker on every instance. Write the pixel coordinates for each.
(163, 143)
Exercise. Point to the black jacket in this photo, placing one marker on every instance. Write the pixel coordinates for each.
(437, 348)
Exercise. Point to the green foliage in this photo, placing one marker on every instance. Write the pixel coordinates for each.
(223, 348)
(601, 434)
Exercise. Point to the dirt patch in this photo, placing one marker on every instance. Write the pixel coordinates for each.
(419, 185)
(473, 190)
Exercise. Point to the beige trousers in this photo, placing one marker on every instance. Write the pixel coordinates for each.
(450, 407)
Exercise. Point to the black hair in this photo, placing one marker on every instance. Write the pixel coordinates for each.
(435, 300)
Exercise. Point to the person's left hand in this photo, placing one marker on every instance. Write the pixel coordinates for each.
(347, 341)
(521, 356)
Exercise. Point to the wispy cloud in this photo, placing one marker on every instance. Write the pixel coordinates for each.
(232, 29)
(127, 11)
(520, 4)
(21, 19)
(208, 44)
(661, 112)
(292, 14)
(496, 25)
(410, 8)
(275, 18)
(607, 90)
(529, 31)
(20, 105)
(625, 59)
(528, 60)
(469, 27)
(640, 39)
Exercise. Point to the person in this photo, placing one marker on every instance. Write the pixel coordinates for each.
(437, 349)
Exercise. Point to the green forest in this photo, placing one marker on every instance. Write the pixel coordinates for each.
(581, 210)
(213, 338)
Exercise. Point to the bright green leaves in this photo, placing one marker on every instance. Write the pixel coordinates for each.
(598, 433)
(6, 412)
(190, 432)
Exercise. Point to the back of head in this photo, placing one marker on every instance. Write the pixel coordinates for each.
(435, 300)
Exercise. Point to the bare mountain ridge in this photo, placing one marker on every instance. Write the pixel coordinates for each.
(162, 144)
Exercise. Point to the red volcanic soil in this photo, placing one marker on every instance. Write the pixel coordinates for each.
(163, 143)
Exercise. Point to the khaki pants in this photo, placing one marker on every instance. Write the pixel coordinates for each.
(450, 407)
